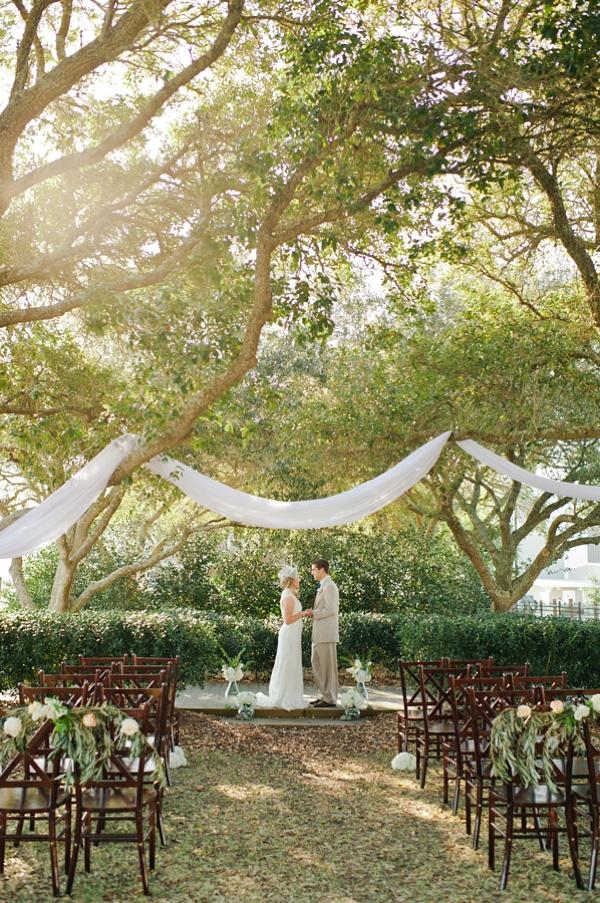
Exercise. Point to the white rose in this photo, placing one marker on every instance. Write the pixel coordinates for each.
(348, 699)
(523, 711)
(37, 710)
(595, 702)
(228, 673)
(580, 712)
(90, 720)
(13, 726)
(246, 698)
(362, 676)
(239, 673)
(557, 706)
(404, 761)
(129, 727)
(54, 708)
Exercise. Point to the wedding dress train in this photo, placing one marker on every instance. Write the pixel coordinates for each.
(286, 687)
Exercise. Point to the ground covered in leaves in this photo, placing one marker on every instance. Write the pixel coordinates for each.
(312, 815)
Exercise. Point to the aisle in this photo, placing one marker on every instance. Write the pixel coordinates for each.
(303, 815)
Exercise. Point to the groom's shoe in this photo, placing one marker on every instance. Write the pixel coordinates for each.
(314, 701)
(321, 704)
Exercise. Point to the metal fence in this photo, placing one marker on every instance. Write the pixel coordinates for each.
(566, 608)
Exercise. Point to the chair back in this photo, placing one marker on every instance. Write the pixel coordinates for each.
(73, 696)
(484, 706)
(437, 692)
(498, 670)
(34, 768)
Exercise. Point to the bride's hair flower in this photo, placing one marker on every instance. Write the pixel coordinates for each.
(287, 573)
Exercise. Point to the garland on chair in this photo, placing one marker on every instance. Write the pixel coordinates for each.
(81, 734)
(518, 733)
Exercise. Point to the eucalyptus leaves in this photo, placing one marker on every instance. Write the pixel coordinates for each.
(82, 735)
(525, 741)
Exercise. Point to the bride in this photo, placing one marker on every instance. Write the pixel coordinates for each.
(286, 687)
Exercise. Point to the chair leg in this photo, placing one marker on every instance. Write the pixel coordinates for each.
(507, 847)
(491, 836)
(573, 845)
(152, 839)
(456, 798)
(594, 857)
(68, 823)
(76, 847)
(53, 853)
(445, 782)
(87, 843)
(538, 830)
(468, 827)
(139, 823)
(478, 815)
(2, 840)
(424, 763)
(19, 830)
(553, 823)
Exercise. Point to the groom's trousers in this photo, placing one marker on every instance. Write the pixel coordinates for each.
(324, 665)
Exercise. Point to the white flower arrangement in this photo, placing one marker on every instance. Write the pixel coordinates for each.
(231, 673)
(129, 727)
(245, 703)
(404, 761)
(595, 702)
(353, 701)
(360, 672)
(581, 711)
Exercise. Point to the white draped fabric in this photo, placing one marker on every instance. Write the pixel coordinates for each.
(332, 511)
(520, 475)
(52, 517)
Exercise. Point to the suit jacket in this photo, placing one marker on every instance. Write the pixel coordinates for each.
(326, 613)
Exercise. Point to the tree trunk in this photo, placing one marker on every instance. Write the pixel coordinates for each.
(64, 576)
(18, 579)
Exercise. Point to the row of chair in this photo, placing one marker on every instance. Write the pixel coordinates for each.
(448, 712)
(32, 784)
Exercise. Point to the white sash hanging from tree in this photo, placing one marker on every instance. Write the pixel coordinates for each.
(51, 518)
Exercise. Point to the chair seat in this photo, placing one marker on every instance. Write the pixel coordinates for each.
(441, 728)
(124, 799)
(539, 795)
(28, 799)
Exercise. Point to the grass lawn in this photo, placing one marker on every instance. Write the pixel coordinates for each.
(312, 815)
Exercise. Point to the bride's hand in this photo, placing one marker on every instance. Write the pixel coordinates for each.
(307, 613)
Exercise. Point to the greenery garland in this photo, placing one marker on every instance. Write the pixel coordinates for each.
(81, 734)
(525, 741)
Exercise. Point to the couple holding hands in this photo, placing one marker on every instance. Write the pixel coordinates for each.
(286, 687)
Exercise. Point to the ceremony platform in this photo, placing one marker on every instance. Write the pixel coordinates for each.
(210, 700)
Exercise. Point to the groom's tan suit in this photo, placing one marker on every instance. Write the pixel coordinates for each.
(325, 637)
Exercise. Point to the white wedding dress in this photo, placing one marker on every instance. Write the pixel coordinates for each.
(286, 687)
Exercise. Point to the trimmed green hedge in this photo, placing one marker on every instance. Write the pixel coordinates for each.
(29, 641)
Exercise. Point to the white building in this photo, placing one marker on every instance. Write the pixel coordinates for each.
(569, 586)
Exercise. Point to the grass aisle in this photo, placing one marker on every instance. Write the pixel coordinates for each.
(305, 815)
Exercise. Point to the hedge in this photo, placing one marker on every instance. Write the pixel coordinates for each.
(29, 640)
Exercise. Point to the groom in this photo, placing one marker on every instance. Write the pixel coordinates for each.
(325, 635)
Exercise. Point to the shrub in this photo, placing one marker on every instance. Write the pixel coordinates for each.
(30, 641)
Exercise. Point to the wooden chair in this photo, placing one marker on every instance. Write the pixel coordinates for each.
(538, 683)
(483, 706)
(436, 726)
(28, 791)
(120, 795)
(584, 799)
(174, 667)
(156, 702)
(68, 695)
(411, 713)
(511, 803)
(458, 749)
(102, 660)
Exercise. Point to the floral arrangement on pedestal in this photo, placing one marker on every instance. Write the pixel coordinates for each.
(81, 735)
(245, 703)
(525, 740)
(353, 701)
(362, 675)
(233, 671)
